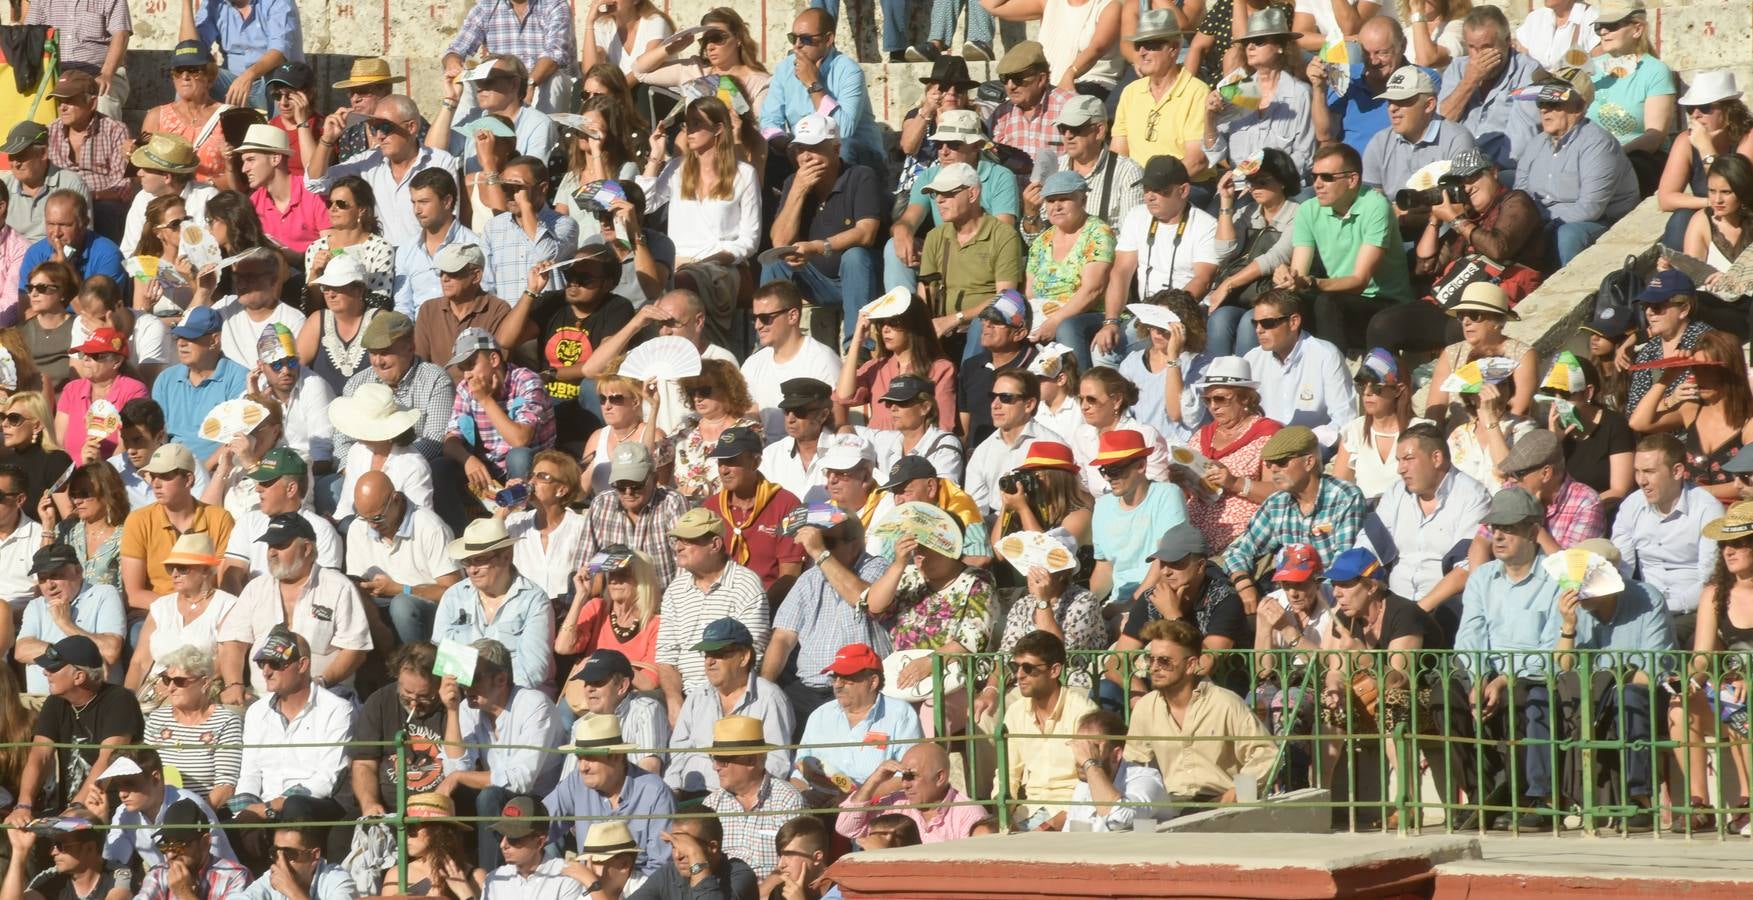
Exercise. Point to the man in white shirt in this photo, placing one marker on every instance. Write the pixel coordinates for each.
(1303, 379)
(1542, 36)
(1105, 779)
(20, 537)
(398, 554)
(293, 735)
(794, 462)
(282, 482)
(137, 779)
(257, 280)
(1165, 242)
(326, 611)
(1659, 529)
(1430, 516)
(786, 353)
(1016, 395)
(525, 874)
(389, 169)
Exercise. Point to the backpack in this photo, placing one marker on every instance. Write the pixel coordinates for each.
(1618, 289)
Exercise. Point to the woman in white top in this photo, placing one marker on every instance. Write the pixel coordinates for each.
(1056, 365)
(619, 31)
(1365, 455)
(623, 421)
(1080, 38)
(1481, 435)
(726, 48)
(714, 205)
(600, 152)
(384, 432)
(549, 533)
(913, 410)
(1433, 30)
(1552, 31)
(189, 616)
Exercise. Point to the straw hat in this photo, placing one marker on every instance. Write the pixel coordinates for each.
(371, 414)
(1483, 296)
(192, 549)
(482, 536)
(598, 735)
(368, 71)
(431, 805)
(165, 152)
(607, 840)
(738, 736)
(1737, 523)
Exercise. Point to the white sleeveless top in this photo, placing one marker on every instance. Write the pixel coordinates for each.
(1066, 30)
(1372, 474)
(170, 632)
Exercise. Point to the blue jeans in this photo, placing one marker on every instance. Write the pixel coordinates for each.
(851, 290)
(1536, 727)
(258, 90)
(895, 274)
(412, 617)
(1674, 235)
(1571, 238)
(894, 21)
(1229, 331)
(1129, 344)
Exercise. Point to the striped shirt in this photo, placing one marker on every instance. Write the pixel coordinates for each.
(750, 837)
(187, 747)
(221, 878)
(687, 611)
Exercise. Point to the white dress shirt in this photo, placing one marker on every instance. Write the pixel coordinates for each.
(515, 743)
(1413, 543)
(1137, 784)
(416, 554)
(17, 585)
(764, 374)
(1669, 552)
(995, 458)
(1310, 386)
(781, 464)
(277, 755)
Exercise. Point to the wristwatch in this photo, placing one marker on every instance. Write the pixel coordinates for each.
(822, 557)
(1092, 761)
(696, 868)
(1042, 604)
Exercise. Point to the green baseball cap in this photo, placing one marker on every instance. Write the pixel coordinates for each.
(278, 462)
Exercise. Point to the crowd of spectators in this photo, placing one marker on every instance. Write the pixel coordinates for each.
(633, 436)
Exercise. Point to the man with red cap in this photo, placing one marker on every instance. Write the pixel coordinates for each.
(1129, 519)
(1296, 614)
(869, 727)
(1014, 398)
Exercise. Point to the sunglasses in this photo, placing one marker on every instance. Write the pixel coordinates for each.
(181, 569)
(1329, 177)
(1020, 77)
(282, 96)
(181, 681)
(1520, 474)
(628, 487)
(582, 278)
(614, 399)
(714, 36)
(1074, 130)
(340, 204)
(1163, 662)
(381, 128)
(909, 775)
(382, 514)
(1151, 46)
(704, 392)
(43, 288)
(282, 365)
(174, 223)
(1657, 309)
(1116, 470)
(1270, 322)
(1606, 28)
(802, 40)
(1706, 108)
(173, 848)
(768, 318)
(1216, 399)
(1473, 315)
(1027, 669)
(15, 419)
(1007, 398)
(1257, 42)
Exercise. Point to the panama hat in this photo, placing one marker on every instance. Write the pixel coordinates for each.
(371, 414)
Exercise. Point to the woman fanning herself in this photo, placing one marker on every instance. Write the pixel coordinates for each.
(1235, 483)
(162, 236)
(1166, 368)
(906, 344)
(1710, 406)
(600, 152)
(103, 355)
(1483, 310)
(623, 422)
(726, 48)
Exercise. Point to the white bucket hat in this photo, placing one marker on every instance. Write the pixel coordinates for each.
(1709, 87)
(371, 414)
(1227, 371)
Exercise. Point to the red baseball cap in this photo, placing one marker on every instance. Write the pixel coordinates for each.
(1297, 563)
(103, 340)
(853, 659)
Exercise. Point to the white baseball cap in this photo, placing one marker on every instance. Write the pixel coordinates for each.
(953, 177)
(340, 272)
(847, 451)
(815, 129)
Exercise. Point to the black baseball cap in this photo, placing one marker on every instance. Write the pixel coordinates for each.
(283, 527)
(1164, 172)
(603, 664)
(77, 650)
(734, 442)
(184, 815)
(908, 469)
(295, 75)
(906, 389)
(52, 558)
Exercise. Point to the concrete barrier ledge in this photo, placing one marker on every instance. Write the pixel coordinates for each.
(1308, 811)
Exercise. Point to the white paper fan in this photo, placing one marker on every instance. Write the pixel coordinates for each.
(667, 358)
(1587, 573)
(1426, 178)
(102, 419)
(921, 690)
(1026, 550)
(231, 419)
(889, 305)
(1153, 315)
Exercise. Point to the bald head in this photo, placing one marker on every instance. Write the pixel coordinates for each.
(375, 498)
(397, 108)
(815, 21)
(1385, 30)
(930, 764)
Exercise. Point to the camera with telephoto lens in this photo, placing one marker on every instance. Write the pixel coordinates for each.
(1022, 480)
(1409, 199)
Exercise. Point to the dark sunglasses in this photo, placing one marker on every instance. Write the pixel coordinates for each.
(584, 277)
(1116, 470)
(340, 204)
(1474, 315)
(278, 665)
(802, 40)
(713, 36)
(892, 404)
(174, 223)
(169, 847)
(1520, 474)
(181, 681)
(282, 365)
(42, 287)
(1028, 669)
(1606, 28)
(14, 419)
(1007, 398)
(1021, 77)
(1327, 177)
(629, 487)
(1706, 108)
(703, 392)
(614, 399)
(1151, 46)
(1270, 322)
(909, 775)
(769, 318)
(1075, 130)
(381, 128)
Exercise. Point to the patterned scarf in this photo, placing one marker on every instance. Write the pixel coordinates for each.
(737, 547)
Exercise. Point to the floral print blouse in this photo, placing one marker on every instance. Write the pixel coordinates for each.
(101, 567)
(1079, 615)
(1053, 282)
(964, 611)
(696, 473)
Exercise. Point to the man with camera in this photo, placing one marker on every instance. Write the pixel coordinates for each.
(1016, 395)
(1414, 139)
(1486, 217)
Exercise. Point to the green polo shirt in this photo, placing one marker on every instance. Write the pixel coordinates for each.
(971, 271)
(1336, 240)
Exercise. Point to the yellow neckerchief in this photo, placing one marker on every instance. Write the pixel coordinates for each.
(736, 546)
(956, 502)
(871, 500)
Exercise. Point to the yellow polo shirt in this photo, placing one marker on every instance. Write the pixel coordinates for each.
(148, 535)
(1155, 126)
(1044, 768)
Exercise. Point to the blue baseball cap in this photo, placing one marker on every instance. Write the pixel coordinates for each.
(1353, 564)
(189, 54)
(1008, 308)
(725, 632)
(200, 322)
(1063, 183)
(603, 664)
(1610, 322)
(1666, 285)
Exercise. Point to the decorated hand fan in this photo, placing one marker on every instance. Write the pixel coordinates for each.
(1344, 62)
(1615, 66)
(889, 305)
(1190, 459)
(818, 515)
(667, 358)
(147, 268)
(1589, 574)
(570, 122)
(600, 196)
(934, 529)
(232, 419)
(1241, 95)
(1049, 359)
(1426, 178)
(198, 246)
(1026, 550)
(1469, 378)
(609, 561)
(1674, 362)
(1565, 376)
(8, 370)
(102, 419)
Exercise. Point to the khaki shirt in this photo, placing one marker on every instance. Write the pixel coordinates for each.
(1044, 768)
(1194, 767)
(971, 271)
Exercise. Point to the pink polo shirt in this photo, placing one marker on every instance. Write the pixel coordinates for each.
(935, 825)
(306, 216)
(75, 400)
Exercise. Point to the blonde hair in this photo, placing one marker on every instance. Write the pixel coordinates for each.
(37, 407)
(714, 113)
(645, 591)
